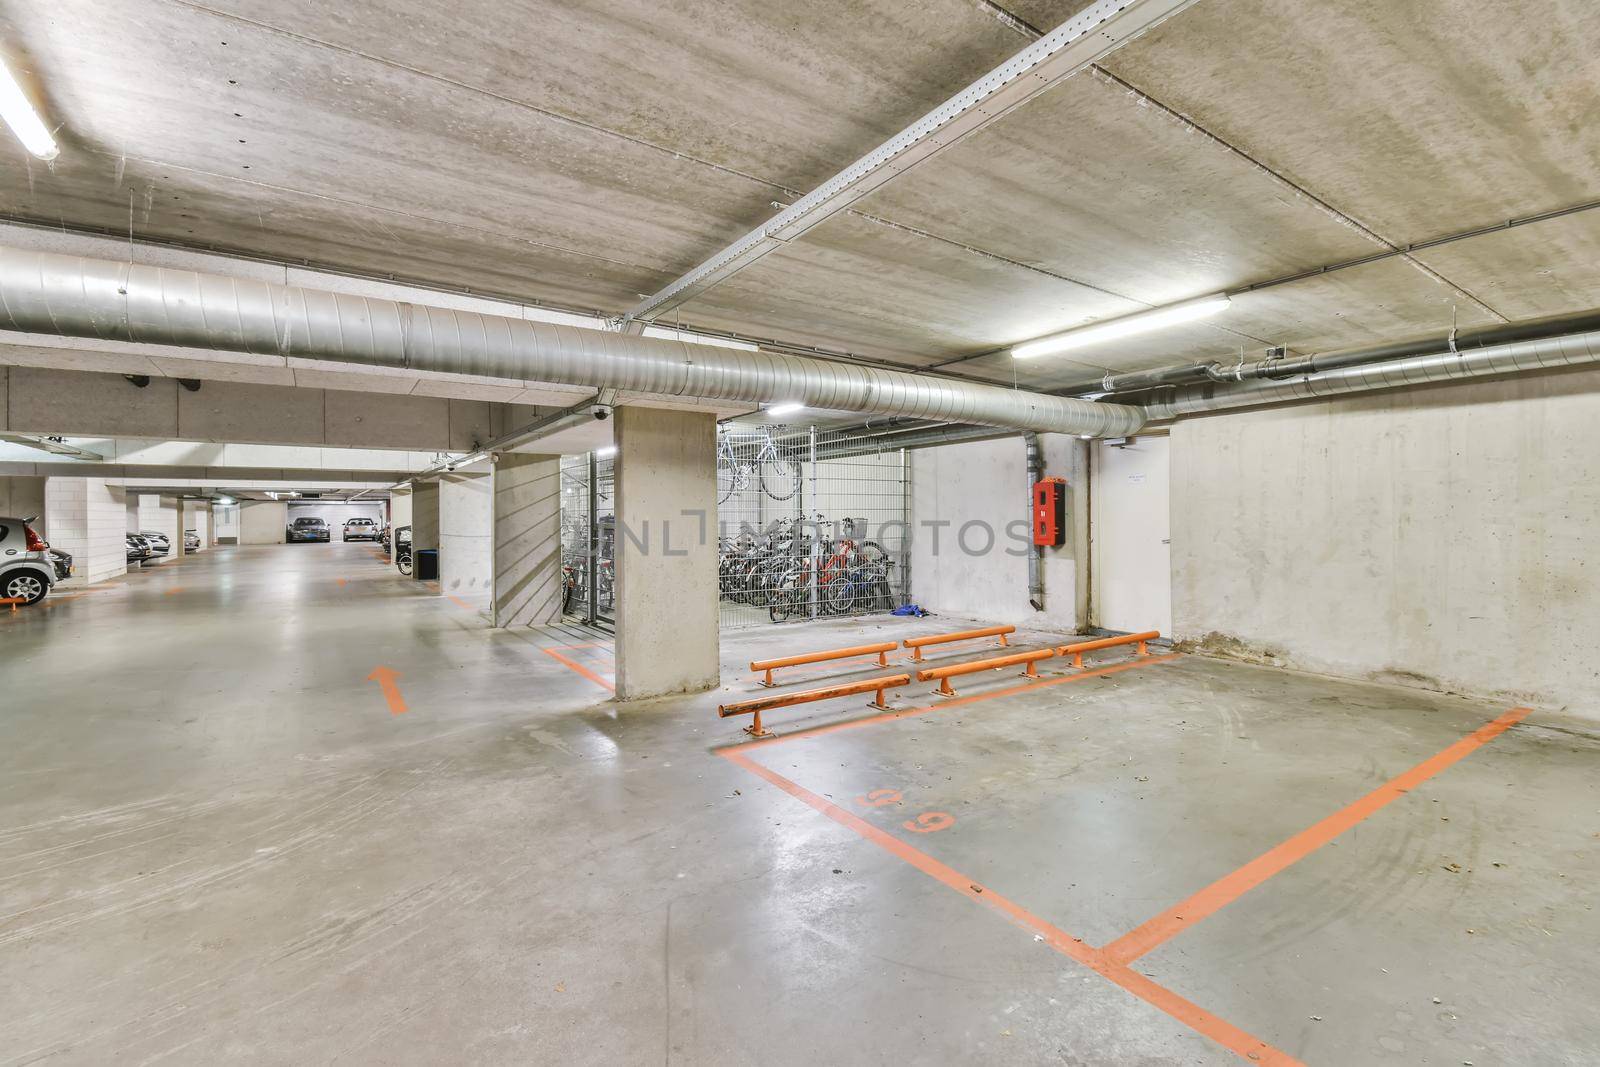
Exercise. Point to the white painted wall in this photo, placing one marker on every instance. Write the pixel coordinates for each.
(261, 522)
(225, 523)
(399, 509)
(87, 519)
(466, 535)
(1129, 534)
(1443, 537)
(334, 514)
(984, 484)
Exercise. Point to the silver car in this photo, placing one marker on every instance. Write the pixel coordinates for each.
(360, 529)
(26, 572)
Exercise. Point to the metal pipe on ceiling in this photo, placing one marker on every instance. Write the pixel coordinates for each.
(73, 296)
(1277, 368)
(1448, 364)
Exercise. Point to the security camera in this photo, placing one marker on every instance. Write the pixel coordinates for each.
(601, 412)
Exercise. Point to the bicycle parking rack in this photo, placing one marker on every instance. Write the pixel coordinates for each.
(955, 670)
(917, 644)
(828, 692)
(769, 665)
(1076, 651)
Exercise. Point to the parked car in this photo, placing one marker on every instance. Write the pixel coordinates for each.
(159, 545)
(26, 572)
(359, 529)
(191, 540)
(138, 549)
(62, 563)
(383, 537)
(308, 528)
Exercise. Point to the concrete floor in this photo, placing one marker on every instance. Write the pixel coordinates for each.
(218, 844)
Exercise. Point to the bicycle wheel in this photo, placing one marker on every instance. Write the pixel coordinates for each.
(778, 472)
(782, 604)
(727, 482)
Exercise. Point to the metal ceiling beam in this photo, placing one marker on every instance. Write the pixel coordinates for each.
(51, 445)
(1087, 37)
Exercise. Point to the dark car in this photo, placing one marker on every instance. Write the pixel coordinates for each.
(62, 562)
(308, 528)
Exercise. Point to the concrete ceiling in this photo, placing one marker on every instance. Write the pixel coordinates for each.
(583, 154)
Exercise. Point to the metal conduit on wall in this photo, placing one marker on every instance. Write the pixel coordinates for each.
(72, 296)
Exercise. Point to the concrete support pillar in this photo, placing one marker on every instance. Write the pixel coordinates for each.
(466, 535)
(201, 522)
(399, 511)
(88, 520)
(424, 520)
(666, 552)
(163, 515)
(262, 522)
(527, 540)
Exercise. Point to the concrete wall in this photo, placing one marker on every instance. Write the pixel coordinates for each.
(1442, 537)
(261, 522)
(88, 520)
(982, 487)
(87, 404)
(666, 603)
(225, 523)
(527, 540)
(21, 498)
(466, 535)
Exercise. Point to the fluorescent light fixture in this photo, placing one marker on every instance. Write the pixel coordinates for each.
(608, 450)
(779, 410)
(17, 110)
(669, 334)
(1127, 326)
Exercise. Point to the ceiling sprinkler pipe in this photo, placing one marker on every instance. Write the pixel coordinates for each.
(72, 296)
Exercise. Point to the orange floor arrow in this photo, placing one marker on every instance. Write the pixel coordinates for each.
(385, 677)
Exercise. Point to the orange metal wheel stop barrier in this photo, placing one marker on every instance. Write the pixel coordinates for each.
(1076, 651)
(917, 644)
(955, 670)
(882, 649)
(758, 705)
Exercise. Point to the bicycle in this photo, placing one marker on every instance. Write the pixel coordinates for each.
(771, 469)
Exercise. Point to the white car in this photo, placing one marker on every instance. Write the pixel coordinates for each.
(360, 530)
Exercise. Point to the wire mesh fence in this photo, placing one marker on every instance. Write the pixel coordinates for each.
(588, 537)
(811, 523)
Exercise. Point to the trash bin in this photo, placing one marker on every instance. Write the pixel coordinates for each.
(427, 568)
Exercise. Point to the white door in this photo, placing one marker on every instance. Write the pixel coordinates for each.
(1129, 536)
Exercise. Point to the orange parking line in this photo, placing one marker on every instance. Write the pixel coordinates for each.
(1231, 887)
(580, 668)
(868, 720)
(1223, 1033)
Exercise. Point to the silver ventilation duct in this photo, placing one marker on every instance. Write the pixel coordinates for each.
(1546, 353)
(69, 296)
